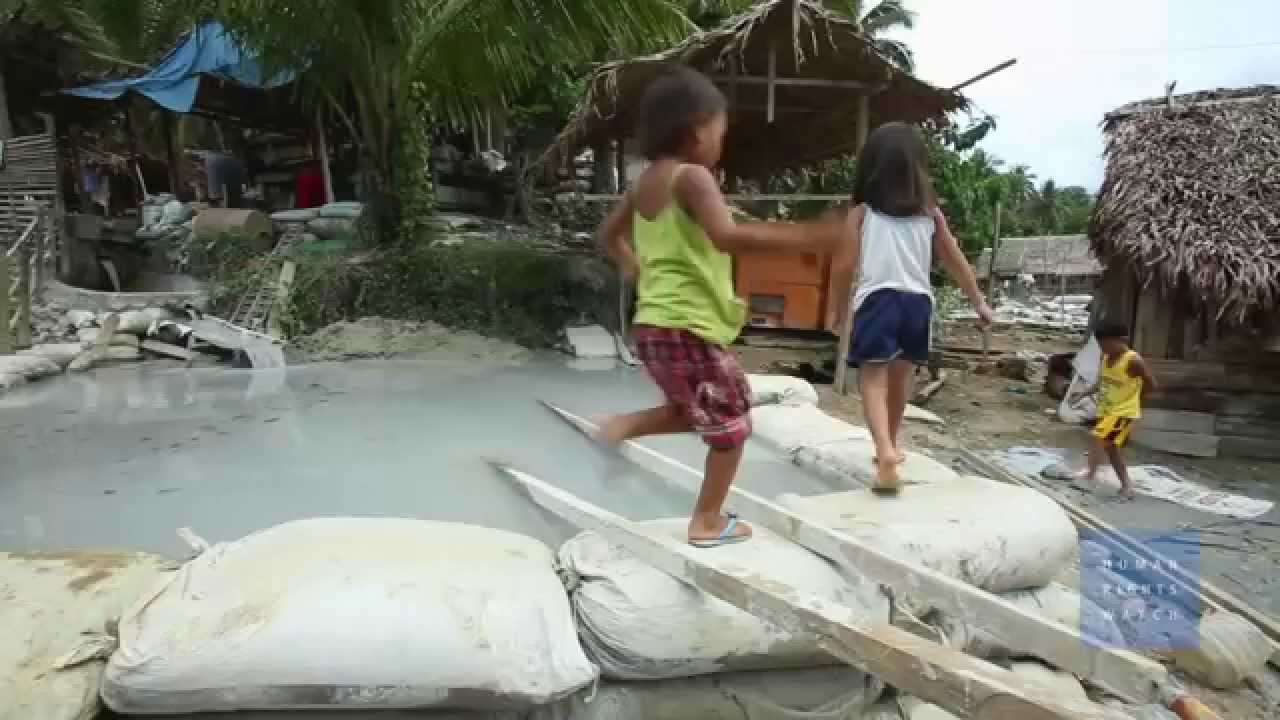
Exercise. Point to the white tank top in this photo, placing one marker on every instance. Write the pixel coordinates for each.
(896, 254)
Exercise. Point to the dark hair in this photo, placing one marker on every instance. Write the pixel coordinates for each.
(1111, 330)
(893, 172)
(672, 107)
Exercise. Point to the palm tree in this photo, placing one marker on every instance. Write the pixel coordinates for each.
(879, 19)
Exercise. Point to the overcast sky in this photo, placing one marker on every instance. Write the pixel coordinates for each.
(1077, 60)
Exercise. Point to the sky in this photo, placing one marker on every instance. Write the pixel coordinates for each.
(1078, 60)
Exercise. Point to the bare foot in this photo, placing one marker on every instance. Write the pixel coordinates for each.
(718, 530)
(887, 480)
(899, 457)
(1127, 492)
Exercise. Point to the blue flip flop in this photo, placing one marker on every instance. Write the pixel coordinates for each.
(726, 536)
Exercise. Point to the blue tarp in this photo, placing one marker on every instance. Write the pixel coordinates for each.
(172, 83)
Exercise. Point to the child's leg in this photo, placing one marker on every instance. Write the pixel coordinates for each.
(900, 372)
(874, 379)
(1122, 470)
(1097, 449)
(661, 420)
(707, 522)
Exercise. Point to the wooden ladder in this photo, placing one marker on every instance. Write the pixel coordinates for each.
(257, 302)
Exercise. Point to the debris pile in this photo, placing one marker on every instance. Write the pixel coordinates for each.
(1068, 312)
(374, 337)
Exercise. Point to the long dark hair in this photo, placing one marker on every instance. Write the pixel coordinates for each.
(672, 107)
(893, 172)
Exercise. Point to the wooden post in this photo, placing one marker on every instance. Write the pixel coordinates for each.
(991, 264)
(6, 335)
(41, 250)
(322, 149)
(601, 168)
(864, 121)
(6, 123)
(283, 287)
(22, 330)
(55, 224)
(171, 156)
(773, 82)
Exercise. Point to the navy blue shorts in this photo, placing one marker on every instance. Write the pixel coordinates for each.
(891, 324)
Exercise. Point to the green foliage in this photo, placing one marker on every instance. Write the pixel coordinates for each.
(493, 288)
(878, 20)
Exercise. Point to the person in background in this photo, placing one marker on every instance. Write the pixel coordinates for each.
(894, 232)
(687, 313)
(1124, 380)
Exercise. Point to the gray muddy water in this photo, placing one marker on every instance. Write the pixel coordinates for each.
(126, 456)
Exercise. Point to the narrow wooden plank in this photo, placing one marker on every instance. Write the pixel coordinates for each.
(1249, 447)
(1246, 426)
(6, 309)
(1126, 674)
(163, 348)
(1177, 443)
(962, 684)
(1178, 421)
(1210, 595)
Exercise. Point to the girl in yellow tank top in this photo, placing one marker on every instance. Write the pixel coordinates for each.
(687, 313)
(1123, 379)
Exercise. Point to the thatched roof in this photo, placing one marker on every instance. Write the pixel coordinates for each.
(1067, 255)
(811, 123)
(1191, 198)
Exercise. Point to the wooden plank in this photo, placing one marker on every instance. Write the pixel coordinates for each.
(1170, 572)
(1178, 421)
(1249, 447)
(1126, 674)
(6, 335)
(952, 680)
(1177, 443)
(1246, 427)
(772, 81)
(284, 286)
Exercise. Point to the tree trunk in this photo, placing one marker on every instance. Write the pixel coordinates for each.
(6, 123)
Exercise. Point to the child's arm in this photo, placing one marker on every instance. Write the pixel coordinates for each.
(947, 249)
(699, 194)
(615, 234)
(1138, 368)
(844, 267)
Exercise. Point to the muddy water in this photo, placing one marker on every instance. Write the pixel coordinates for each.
(124, 457)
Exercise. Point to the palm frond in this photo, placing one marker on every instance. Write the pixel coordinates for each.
(897, 52)
(887, 15)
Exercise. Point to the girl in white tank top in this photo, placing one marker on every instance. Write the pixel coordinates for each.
(895, 231)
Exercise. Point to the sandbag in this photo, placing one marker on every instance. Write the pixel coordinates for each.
(638, 623)
(851, 463)
(346, 209)
(329, 228)
(1057, 682)
(1230, 650)
(49, 600)
(132, 322)
(994, 536)
(780, 390)
(352, 612)
(77, 319)
(30, 367)
(60, 354)
(789, 428)
(1055, 602)
(89, 336)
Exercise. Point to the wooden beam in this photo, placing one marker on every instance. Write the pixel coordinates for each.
(171, 154)
(772, 82)
(6, 309)
(732, 80)
(1126, 674)
(284, 286)
(322, 149)
(864, 122)
(985, 74)
(962, 684)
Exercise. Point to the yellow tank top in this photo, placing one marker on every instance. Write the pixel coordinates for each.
(1121, 392)
(685, 282)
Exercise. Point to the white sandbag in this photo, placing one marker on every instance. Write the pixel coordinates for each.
(913, 708)
(295, 216)
(80, 319)
(352, 612)
(88, 336)
(60, 354)
(31, 367)
(791, 427)
(851, 463)
(132, 322)
(49, 601)
(639, 623)
(175, 212)
(994, 536)
(1055, 682)
(1230, 650)
(780, 390)
(1055, 602)
(9, 381)
(346, 209)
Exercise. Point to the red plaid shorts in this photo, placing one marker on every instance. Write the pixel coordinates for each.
(701, 379)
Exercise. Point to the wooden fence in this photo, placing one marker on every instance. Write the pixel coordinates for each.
(28, 180)
(23, 269)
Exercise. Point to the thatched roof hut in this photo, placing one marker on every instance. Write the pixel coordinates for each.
(829, 85)
(1191, 200)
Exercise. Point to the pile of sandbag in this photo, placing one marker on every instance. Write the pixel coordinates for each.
(50, 604)
(355, 613)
